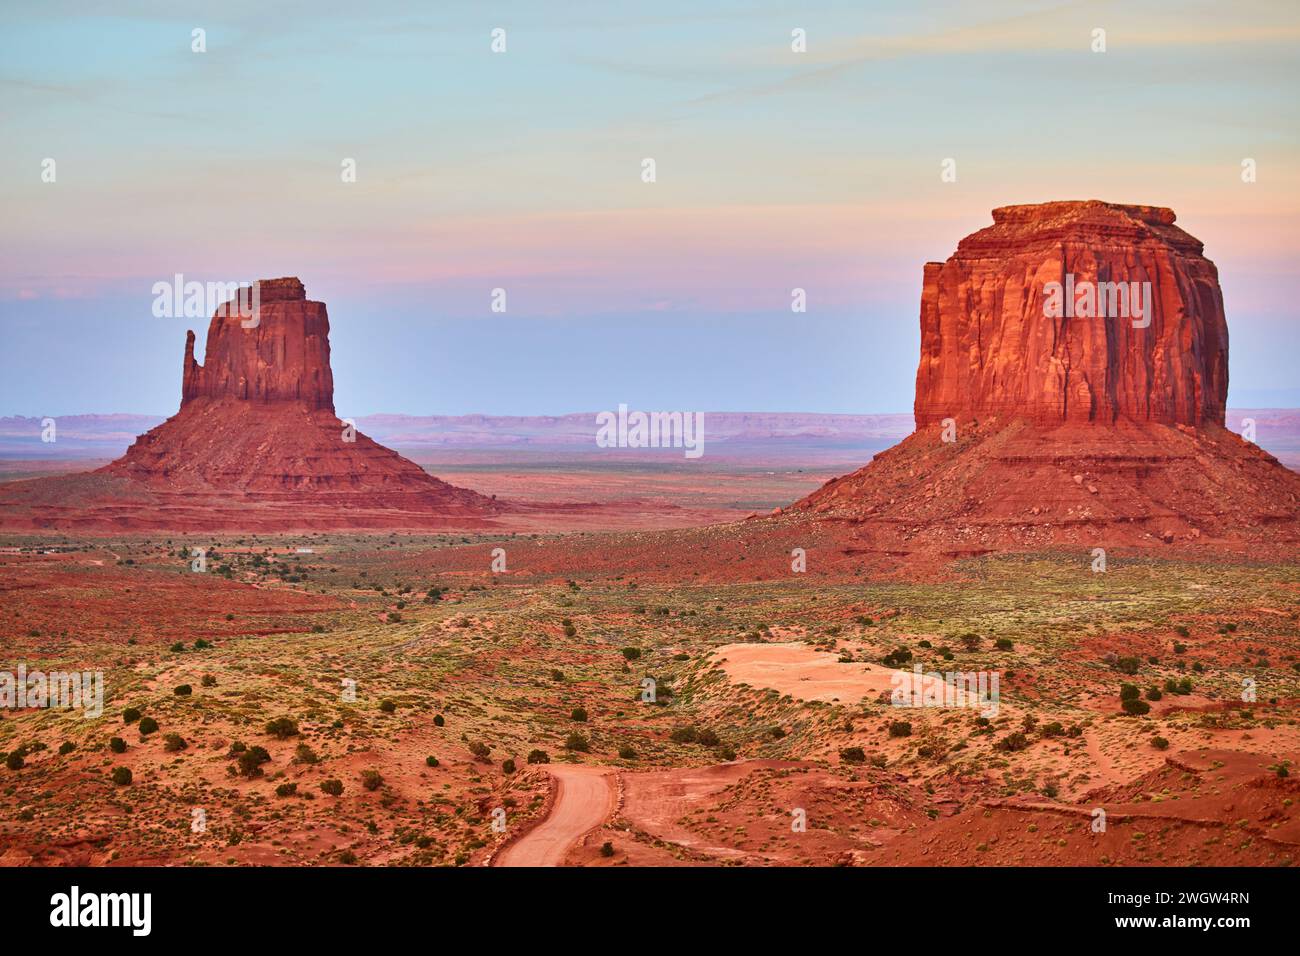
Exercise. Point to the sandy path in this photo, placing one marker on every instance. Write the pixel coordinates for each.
(584, 798)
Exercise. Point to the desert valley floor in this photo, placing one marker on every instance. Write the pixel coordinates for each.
(389, 699)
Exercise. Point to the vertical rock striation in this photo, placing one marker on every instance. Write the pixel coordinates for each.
(282, 353)
(993, 346)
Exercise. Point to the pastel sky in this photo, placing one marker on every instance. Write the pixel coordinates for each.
(522, 170)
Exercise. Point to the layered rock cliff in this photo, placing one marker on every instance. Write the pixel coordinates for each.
(273, 347)
(999, 339)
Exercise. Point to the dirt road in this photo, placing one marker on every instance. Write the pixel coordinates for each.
(584, 798)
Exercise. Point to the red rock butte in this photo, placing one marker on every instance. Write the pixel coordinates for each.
(989, 346)
(255, 446)
(1036, 427)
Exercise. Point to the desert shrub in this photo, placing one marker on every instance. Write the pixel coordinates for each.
(431, 761)
(174, 742)
(1185, 685)
(388, 706)
(282, 728)
(707, 738)
(148, 726)
(287, 790)
(1180, 648)
(900, 728)
(372, 779)
(439, 720)
(15, 760)
(1053, 729)
(970, 641)
(853, 755)
(347, 857)
(538, 756)
(607, 849)
(1128, 692)
(117, 745)
(130, 715)
(684, 735)
(579, 714)
(179, 647)
(1154, 693)
(182, 690)
(121, 776)
(508, 765)
(66, 748)
(632, 653)
(557, 674)
(777, 732)
(480, 750)
(897, 657)
(576, 742)
(1127, 665)
(250, 761)
(207, 680)
(1182, 630)
(394, 617)
(1012, 742)
(625, 752)
(1003, 644)
(1136, 707)
(304, 754)
(1159, 743)
(333, 787)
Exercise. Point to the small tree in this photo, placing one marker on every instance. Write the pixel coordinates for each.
(282, 728)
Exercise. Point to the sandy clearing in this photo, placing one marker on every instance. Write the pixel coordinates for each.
(808, 674)
(802, 672)
(584, 799)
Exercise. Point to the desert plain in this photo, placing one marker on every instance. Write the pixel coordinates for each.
(390, 699)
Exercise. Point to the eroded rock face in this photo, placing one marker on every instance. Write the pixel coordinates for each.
(256, 443)
(282, 353)
(997, 340)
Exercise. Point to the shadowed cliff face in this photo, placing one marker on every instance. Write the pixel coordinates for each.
(994, 342)
(281, 354)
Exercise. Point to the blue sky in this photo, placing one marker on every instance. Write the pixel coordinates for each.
(521, 170)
